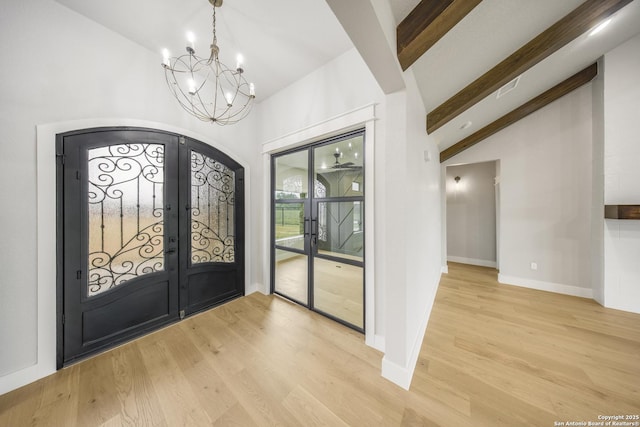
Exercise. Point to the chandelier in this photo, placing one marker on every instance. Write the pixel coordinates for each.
(205, 87)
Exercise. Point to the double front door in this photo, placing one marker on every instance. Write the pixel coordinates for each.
(150, 229)
(318, 227)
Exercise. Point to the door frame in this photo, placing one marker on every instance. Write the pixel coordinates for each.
(192, 142)
(310, 205)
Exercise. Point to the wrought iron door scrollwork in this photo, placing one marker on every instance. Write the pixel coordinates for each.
(212, 210)
(126, 215)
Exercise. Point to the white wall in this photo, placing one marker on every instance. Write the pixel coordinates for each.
(471, 214)
(64, 67)
(545, 186)
(622, 175)
(340, 86)
(419, 197)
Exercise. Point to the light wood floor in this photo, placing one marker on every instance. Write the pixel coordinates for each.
(492, 355)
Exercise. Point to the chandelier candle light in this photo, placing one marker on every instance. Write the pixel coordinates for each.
(206, 88)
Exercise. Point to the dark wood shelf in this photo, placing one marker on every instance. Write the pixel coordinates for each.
(622, 211)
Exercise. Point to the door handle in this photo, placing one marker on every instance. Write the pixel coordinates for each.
(304, 227)
(314, 231)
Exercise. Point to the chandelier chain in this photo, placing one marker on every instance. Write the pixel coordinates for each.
(215, 38)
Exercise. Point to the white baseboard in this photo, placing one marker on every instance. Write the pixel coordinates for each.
(444, 269)
(399, 375)
(472, 261)
(546, 286)
(24, 376)
(618, 303)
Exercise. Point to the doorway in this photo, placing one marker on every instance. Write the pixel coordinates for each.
(318, 227)
(150, 230)
(472, 213)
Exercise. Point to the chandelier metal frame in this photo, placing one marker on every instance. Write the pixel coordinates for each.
(205, 87)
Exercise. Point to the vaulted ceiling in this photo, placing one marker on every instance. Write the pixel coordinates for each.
(543, 42)
(283, 40)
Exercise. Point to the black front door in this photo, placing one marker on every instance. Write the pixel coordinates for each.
(150, 230)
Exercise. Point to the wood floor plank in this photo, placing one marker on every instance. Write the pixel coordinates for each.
(212, 393)
(263, 408)
(411, 418)
(139, 404)
(442, 391)
(59, 405)
(236, 416)
(211, 338)
(97, 400)
(179, 404)
(116, 421)
(309, 411)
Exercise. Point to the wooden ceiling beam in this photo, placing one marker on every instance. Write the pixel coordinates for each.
(576, 23)
(426, 24)
(546, 98)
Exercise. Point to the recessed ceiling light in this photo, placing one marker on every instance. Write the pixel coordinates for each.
(465, 125)
(599, 28)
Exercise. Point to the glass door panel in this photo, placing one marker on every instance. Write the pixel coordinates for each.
(340, 232)
(212, 210)
(338, 169)
(126, 214)
(290, 218)
(289, 225)
(338, 290)
(291, 275)
(292, 176)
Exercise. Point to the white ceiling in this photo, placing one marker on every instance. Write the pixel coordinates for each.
(284, 40)
(280, 40)
(401, 8)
